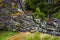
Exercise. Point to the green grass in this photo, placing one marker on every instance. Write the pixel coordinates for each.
(46, 37)
(34, 37)
(4, 35)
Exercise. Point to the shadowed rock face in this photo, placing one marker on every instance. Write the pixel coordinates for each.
(56, 20)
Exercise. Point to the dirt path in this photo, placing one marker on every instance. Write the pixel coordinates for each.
(19, 36)
(24, 35)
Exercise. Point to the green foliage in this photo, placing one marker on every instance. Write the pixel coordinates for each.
(1, 0)
(44, 6)
(31, 4)
(57, 15)
(39, 14)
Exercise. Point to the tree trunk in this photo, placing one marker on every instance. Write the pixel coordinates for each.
(48, 18)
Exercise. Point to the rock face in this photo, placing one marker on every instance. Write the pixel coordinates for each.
(28, 24)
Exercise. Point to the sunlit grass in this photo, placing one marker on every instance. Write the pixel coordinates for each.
(4, 35)
(30, 36)
(41, 36)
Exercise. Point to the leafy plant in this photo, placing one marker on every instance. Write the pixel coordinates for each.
(38, 14)
(57, 15)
